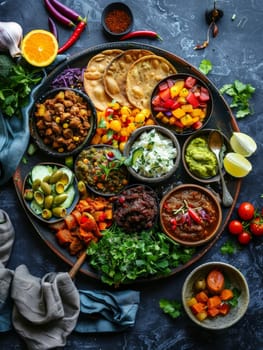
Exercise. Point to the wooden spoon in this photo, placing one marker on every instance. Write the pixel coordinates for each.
(215, 143)
(81, 259)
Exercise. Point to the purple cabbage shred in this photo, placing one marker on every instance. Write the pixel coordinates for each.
(69, 77)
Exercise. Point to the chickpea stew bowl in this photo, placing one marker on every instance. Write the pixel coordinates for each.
(63, 121)
(190, 214)
(215, 295)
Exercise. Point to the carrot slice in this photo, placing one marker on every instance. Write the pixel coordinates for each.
(213, 302)
(215, 281)
(226, 294)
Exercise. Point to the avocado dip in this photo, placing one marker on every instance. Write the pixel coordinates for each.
(201, 161)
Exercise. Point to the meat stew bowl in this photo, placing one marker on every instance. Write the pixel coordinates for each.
(63, 121)
(190, 214)
(198, 161)
(182, 103)
(136, 208)
(233, 308)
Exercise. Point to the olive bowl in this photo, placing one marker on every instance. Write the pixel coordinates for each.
(43, 189)
(197, 159)
(190, 215)
(174, 111)
(131, 153)
(57, 122)
(234, 280)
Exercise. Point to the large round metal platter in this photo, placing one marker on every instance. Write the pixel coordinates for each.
(222, 119)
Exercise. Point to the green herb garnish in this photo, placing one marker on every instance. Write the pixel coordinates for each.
(121, 257)
(229, 247)
(16, 82)
(171, 307)
(205, 66)
(241, 95)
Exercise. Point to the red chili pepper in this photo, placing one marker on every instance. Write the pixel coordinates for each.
(194, 216)
(141, 33)
(74, 37)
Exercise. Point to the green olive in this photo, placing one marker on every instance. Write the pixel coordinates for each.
(46, 178)
(60, 198)
(39, 197)
(55, 177)
(64, 179)
(36, 183)
(59, 187)
(45, 187)
(59, 212)
(48, 201)
(200, 284)
(46, 214)
(28, 194)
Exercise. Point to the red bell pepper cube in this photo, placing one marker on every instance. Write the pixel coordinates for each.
(191, 98)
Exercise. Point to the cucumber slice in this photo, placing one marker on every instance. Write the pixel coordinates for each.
(137, 153)
(71, 195)
(41, 171)
(37, 209)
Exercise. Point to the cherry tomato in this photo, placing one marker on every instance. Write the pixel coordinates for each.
(235, 227)
(256, 226)
(244, 238)
(246, 211)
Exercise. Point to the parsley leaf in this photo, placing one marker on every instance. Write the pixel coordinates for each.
(171, 307)
(16, 83)
(205, 66)
(241, 94)
(228, 247)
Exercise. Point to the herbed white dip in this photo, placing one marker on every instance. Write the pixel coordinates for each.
(153, 153)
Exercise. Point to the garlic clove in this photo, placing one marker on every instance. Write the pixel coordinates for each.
(11, 34)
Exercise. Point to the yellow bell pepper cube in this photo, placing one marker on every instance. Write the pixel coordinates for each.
(188, 108)
(178, 113)
(159, 115)
(187, 120)
(184, 92)
(176, 88)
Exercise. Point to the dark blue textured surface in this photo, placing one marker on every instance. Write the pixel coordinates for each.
(236, 53)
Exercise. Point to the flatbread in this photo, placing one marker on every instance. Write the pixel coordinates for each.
(143, 76)
(93, 78)
(116, 73)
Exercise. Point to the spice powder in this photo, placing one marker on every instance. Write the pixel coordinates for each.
(117, 21)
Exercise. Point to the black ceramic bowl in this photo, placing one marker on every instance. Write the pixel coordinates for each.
(151, 153)
(182, 103)
(197, 159)
(63, 121)
(117, 20)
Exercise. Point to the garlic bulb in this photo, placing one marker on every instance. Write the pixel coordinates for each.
(11, 34)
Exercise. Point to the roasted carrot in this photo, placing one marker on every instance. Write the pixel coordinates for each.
(201, 297)
(213, 311)
(226, 294)
(64, 237)
(197, 308)
(213, 302)
(224, 309)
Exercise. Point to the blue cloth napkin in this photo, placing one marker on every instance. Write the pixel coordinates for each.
(103, 311)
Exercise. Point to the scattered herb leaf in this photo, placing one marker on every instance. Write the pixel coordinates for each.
(171, 307)
(234, 301)
(205, 66)
(241, 95)
(16, 82)
(229, 247)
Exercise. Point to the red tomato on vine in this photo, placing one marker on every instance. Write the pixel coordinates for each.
(256, 226)
(246, 211)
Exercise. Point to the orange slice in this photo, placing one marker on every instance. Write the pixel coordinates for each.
(39, 47)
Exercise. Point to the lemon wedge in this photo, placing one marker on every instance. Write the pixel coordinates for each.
(236, 164)
(243, 144)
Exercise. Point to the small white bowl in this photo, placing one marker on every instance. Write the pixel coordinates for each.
(236, 280)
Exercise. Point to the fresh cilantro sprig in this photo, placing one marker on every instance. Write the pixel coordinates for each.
(171, 307)
(229, 247)
(16, 83)
(205, 66)
(241, 95)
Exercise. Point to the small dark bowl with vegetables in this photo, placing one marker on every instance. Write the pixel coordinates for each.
(102, 169)
(153, 154)
(182, 102)
(63, 121)
(199, 161)
(117, 20)
(136, 208)
(50, 191)
(190, 214)
(215, 295)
